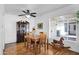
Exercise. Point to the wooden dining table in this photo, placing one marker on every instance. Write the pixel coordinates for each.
(33, 39)
(36, 40)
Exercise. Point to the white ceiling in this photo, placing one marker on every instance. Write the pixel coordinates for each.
(40, 9)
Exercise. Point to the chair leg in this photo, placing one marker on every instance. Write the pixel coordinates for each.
(38, 48)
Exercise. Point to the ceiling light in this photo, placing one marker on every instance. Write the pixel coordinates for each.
(28, 16)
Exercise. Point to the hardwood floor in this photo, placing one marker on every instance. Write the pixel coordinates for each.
(20, 49)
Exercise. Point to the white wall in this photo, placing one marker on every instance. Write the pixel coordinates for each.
(10, 26)
(52, 30)
(45, 21)
(1, 28)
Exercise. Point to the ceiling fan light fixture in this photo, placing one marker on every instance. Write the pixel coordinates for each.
(28, 16)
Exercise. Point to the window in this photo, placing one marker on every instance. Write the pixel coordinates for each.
(72, 28)
(58, 33)
(65, 25)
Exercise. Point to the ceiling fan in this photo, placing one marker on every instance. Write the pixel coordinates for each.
(27, 12)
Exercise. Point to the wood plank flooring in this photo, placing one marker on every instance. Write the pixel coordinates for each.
(20, 49)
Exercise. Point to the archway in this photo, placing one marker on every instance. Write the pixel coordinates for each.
(22, 27)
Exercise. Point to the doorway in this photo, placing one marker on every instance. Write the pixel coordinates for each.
(22, 29)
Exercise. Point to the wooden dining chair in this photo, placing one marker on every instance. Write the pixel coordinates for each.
(31, 40)
(26, 39)
(43, 40)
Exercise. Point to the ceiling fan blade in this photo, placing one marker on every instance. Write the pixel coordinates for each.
(33, 13)
(22, 15)
(24, 11)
